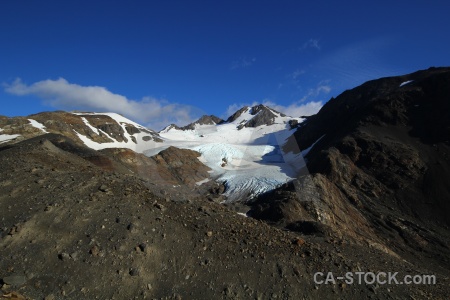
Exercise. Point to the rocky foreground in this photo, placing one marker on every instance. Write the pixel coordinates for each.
(72, 230)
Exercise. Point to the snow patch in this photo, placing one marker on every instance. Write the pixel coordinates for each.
(38, 125)
(203, 181)
(405, 83)
(7, 137)
(86, 122)
(306, 151)
(116, 117)
(139, 146)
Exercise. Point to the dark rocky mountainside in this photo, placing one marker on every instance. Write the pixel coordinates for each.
(379, 171)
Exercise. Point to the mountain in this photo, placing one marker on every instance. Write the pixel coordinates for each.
(255, 116)
(97, 130)
(378, 169)
(203, 120)
(244, 152)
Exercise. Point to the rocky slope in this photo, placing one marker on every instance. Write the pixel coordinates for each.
(73, 229)
(378, 171)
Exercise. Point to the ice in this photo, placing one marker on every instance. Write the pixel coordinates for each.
(249, 161)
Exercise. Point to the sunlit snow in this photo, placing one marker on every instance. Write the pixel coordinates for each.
(249, 161)
(140, 146)
(37, 125)
(7, 137)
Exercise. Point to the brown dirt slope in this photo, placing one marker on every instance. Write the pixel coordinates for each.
(71, 229)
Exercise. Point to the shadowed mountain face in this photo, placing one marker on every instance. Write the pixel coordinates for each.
(379, 168)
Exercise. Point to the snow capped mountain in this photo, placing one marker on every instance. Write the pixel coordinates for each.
(204, 120)
(256, 116)
(95, 130)
(119, 131)
(244, 152)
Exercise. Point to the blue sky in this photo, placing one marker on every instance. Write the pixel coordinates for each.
(159, 62)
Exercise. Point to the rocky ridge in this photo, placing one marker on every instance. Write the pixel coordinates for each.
(381, 177)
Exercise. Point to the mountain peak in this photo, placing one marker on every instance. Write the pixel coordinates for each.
(255, 116)
(203, 120)
(237, 114)
(261, 107)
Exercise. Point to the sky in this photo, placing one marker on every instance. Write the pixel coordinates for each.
(162, 62)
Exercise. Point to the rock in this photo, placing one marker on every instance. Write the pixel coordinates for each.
(74, 255)
(104, 188)
(299, 242)
(134, 272)
(160, 206)
(63, 256)
(15, 280)
(142, 247)
(14, 295)
(95, 250)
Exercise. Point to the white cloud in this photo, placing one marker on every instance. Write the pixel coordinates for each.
(296, 109)
(243, 62)
(61, 94)
(321, 88)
